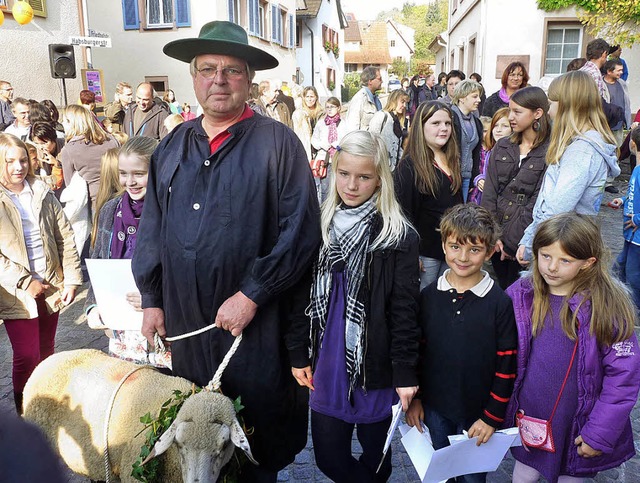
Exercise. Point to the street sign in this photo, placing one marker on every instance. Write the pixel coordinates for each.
(91, 41)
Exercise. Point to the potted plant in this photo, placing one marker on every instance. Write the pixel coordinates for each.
(332, 86)
(327, 46)
(336, 50)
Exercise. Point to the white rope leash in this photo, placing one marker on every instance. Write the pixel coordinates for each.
(107, 463)
(214, 384)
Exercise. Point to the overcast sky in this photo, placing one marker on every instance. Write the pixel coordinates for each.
(369, 9)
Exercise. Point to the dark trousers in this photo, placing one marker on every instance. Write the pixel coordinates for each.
(332, 448)
(441, 427)
(32, 341)
(628, 268)
(507, 271)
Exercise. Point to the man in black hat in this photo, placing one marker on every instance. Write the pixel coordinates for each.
(228, 233)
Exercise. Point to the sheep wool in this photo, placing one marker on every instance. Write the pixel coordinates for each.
(68, 394)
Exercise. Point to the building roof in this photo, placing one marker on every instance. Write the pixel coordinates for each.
(437, 42)
(310, 9)
(374, 44)
(352, 31)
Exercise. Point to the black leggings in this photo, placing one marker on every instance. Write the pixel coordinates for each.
(332, 448)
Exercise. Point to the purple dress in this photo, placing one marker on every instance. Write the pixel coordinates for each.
(548, 362)
(330, 375)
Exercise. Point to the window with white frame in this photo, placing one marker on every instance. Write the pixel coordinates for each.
(159, 13)
(351, 67)
(392, 43)
(262, 20)
(563, 45)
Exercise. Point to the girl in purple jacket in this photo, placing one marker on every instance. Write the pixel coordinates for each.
(576, 349)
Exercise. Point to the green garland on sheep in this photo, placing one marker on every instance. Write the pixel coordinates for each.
(150, 471)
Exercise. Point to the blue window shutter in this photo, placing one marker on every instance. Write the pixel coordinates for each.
(280, 39)
(274, 23)
(292, 32)
(230, 5)
(130, 16)
(256, 16)
(183, 13)
(251, 16)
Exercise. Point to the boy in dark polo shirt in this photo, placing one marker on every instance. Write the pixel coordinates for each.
(468, 359)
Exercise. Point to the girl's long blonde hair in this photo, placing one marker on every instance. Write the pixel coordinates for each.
(110, 186)
(394, 223)
(612, 310)
(317, 111)
(579, 111)
(82, 123)
(422, 155)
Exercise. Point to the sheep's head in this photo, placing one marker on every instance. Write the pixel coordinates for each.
(206, 432)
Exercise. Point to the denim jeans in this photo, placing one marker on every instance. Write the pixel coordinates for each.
(441, 427)
(628, 268)
(466, 182)
(432, 268)
(332, 449)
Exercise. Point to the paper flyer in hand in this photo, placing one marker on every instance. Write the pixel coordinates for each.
(111, 281)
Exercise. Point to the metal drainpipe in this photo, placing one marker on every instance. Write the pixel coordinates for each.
(313, 70)
(85, 28)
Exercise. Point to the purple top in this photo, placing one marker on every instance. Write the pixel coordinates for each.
(548, 363)
(330, 376)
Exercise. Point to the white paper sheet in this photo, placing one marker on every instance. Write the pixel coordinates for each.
(111, 281)
(461, 458)
(396, 412)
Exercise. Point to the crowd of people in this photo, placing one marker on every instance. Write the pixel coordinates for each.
(350, 248)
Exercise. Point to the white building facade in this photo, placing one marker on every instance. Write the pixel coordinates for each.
(321, 46)
(486, 35)
(139, 30)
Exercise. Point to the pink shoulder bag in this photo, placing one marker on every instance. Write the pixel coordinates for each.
(535, 432)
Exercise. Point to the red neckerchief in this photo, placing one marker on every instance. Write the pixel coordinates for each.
(221, 137)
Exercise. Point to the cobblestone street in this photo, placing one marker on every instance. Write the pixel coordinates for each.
(73, 333)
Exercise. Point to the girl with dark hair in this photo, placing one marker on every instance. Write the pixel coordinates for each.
(514, 77)
(427, 182)
(45, 137)
(514, 176)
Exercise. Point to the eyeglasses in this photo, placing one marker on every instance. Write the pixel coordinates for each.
(227, 72)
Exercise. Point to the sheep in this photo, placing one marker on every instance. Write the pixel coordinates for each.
(68, 396)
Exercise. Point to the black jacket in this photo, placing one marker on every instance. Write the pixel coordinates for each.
(510, 192)
(391, 329)
(492, 104)
(244, 218)
(424, 211)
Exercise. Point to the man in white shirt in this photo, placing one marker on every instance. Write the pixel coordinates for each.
(21, 126)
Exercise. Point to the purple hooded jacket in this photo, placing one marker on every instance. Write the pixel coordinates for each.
(608, 383)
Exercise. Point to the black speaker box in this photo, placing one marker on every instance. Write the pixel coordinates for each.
(62, 61)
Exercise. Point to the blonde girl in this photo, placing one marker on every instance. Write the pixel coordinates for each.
(110, 186)
(427, 182)
(86, 143)
(116, 239)
(40, 266)
(581, 154)
(390, 124)
(363, 314)
(571, 304)
(497, 128)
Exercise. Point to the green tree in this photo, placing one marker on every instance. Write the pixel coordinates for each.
(399, 67)
(614, 20)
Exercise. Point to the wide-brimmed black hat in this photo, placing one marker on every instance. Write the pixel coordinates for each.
(223, 38)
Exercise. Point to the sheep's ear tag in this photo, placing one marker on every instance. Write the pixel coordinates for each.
(240, 440)
(163, 443)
